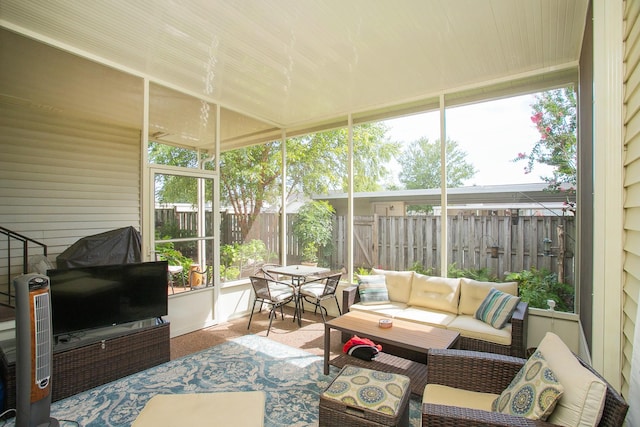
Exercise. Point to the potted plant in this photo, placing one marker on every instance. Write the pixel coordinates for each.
(313, 227)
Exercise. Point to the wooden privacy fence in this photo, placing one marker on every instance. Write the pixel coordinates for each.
(400, 242)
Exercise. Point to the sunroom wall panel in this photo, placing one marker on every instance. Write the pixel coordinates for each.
(62, 179)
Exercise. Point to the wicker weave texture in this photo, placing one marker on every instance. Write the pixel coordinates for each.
(492, 373)
(98, 363)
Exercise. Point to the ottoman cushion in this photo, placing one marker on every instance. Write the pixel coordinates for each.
(379, 397)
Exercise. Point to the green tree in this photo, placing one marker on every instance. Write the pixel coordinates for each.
(314, 226)
(555, 118)
(316, 163)
(250, 177)
(174, 188)
(420, 164)
(420, 167)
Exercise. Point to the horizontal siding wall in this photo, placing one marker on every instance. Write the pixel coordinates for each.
(632, 200)
(62, 179)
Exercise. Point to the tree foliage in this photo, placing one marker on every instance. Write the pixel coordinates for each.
(174, 188)
(555, 118)
(420, 164)
(420, 168)
(314, 226)
(316, 163)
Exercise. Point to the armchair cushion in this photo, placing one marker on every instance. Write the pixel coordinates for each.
(497, 308)
(584, 396)
(450, 396)
(373, 289)
(533, 392)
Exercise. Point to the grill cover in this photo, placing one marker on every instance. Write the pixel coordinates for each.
(120, 246)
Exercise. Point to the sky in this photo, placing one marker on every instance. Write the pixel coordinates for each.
(492, 134)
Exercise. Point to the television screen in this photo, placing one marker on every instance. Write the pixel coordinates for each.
(99, 296)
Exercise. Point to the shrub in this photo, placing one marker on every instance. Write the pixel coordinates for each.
(482, 274)
(419, 268)
(538, 286)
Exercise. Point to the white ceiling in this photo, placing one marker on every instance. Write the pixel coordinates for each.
(292, 64)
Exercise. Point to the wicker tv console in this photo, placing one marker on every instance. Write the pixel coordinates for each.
(95, 359)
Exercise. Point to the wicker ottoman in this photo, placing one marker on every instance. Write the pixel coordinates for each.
(364, 397)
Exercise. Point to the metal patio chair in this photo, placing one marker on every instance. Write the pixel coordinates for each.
(321, 289)
(273, 293)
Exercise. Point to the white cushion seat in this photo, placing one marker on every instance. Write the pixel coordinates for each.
(449, 396)
(242, 409)
(427, 317)
(389, 309)
(468, 326)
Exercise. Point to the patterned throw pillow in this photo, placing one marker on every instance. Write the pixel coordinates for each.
(497, 308)
(533, 392)
(373, 289)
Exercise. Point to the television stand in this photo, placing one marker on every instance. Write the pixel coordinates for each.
(88, 363)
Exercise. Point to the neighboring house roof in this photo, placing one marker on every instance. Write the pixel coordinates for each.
(527, 194)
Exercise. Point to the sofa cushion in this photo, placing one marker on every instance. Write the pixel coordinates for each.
(469, 326)
(373, 289)
(497, 308)
(533, 392)
(473, 292)
(426, 317)
(390, 309)
(438, 293)
(443, 395)
(584, 393)
(398, 284)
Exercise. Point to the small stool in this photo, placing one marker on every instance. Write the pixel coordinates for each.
(364, 397)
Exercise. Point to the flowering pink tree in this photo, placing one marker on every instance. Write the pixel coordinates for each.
(555, 118)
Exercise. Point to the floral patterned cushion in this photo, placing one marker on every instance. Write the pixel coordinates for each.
(533, 392)
(368, 389)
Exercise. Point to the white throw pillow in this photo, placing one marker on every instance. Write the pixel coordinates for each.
(398, 284)
(437, 293)
(473, 292)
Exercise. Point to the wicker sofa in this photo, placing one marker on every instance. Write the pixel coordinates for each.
(457, 375)
(448, 303)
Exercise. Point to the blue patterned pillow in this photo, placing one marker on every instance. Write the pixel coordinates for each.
(497, 308)
(373, 289)
(533, 392)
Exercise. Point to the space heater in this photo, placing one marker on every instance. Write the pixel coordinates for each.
(34, 351)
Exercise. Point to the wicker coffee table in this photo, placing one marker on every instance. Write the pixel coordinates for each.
(405, 335)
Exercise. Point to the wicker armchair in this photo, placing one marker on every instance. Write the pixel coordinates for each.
(491, 373)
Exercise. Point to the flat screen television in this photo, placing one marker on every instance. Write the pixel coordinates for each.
(85, 298)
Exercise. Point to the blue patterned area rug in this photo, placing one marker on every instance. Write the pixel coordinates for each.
(292, 380)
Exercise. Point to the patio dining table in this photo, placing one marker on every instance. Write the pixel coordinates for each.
(298, 274)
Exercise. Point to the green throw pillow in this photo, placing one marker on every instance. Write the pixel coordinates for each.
(373, 289)
(497, 308)
(533, 392)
